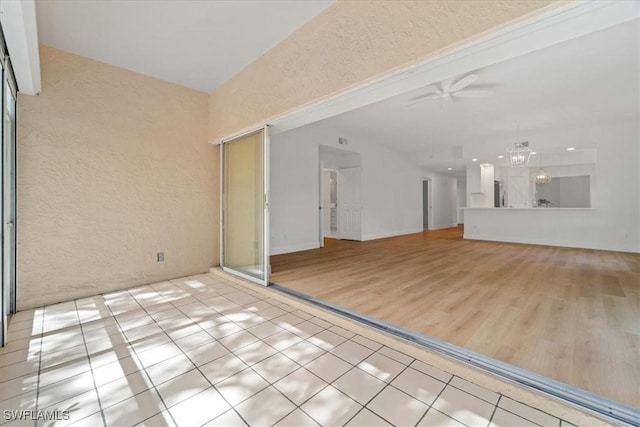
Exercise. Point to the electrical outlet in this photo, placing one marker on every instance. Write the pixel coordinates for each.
(160, 256)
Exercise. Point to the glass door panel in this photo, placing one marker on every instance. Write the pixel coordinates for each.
(9, 198)
(4, 286)
(245, 207)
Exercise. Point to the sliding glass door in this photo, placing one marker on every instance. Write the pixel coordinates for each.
(8, 93)
(245, 206)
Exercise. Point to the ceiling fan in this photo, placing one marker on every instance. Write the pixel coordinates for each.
(447, 90)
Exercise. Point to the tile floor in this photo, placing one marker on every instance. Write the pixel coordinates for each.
(206, 351)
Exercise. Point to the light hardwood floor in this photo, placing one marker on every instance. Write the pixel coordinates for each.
(570, 314)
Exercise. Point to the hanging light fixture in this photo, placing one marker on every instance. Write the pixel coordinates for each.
(519, 155)
(542, 177)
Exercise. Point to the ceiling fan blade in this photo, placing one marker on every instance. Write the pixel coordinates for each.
(473, 93)
(433, 93)
(424, 98)
(463, 82)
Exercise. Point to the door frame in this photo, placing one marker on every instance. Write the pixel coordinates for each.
(266, 201)
(8, 230)
(323, 208)
(429, 182)
(10, 227)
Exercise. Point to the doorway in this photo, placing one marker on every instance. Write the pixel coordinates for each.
(340, 198)
(426, 203)
(330, 203)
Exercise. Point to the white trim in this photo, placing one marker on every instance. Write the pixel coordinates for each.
(221, 228)
(21, 36)
(242, 134)
(241, 274)
(294, 248)
(321, 206)
(553, 25)
(441, 227)
(545, 242)
(266, 174)
(391, 234)
(265, 235)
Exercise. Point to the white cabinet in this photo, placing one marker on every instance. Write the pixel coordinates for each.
(480, 186)
(474, 179)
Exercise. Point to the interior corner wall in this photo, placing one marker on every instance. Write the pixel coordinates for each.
(349, 43)
(391, 189)
(113, 167)
(443, 200)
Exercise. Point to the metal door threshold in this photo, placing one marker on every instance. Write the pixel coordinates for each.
(582, 399)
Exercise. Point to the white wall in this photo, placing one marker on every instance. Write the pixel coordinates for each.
(613, 224)
(294, 193)
(391, 189)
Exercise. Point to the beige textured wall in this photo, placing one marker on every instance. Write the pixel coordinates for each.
(348, 43)
(113, 166)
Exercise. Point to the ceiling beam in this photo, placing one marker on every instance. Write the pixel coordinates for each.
(18, 19)
(557, 25)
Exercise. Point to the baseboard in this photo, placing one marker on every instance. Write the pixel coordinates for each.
(559, 243)
(390, 234)
(440, 227)
(294, 248)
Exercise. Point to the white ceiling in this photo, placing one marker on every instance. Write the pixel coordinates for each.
(592, 80)
(194, 43)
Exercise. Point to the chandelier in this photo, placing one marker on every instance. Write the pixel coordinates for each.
(542, 177)
(519, 154)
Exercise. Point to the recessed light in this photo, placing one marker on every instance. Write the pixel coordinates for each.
(449, 169)
(570, 149)
(474, 160)
(533, 152)
(501, 157)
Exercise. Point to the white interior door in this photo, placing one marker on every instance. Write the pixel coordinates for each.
(349, 204)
